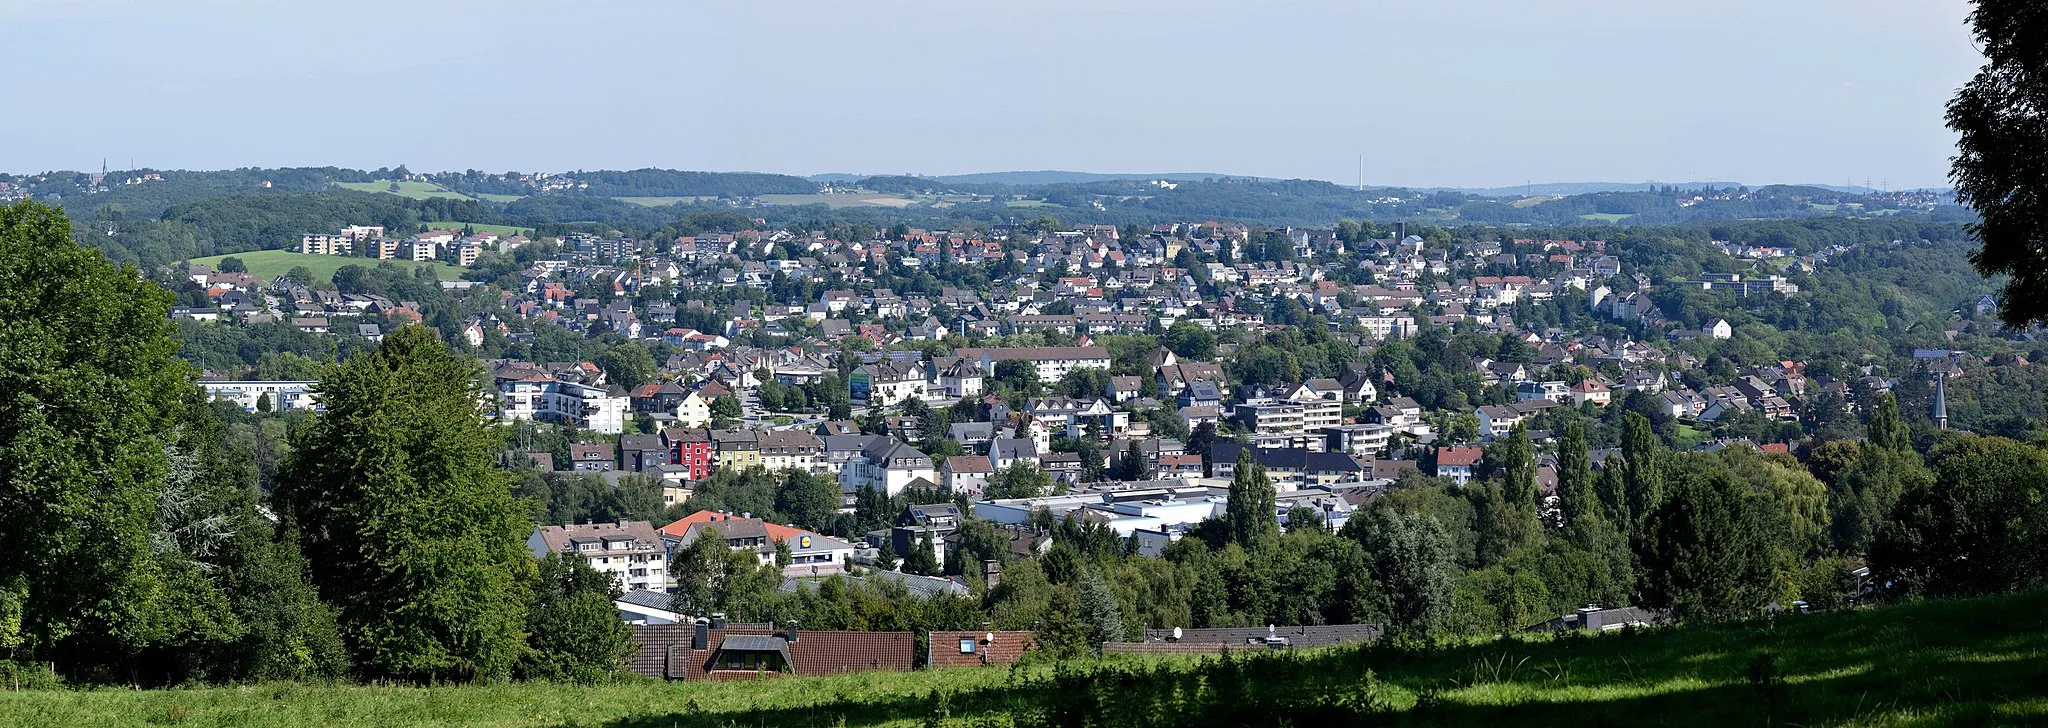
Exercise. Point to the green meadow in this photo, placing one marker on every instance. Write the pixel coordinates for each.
(1975, 662)
(268, 264)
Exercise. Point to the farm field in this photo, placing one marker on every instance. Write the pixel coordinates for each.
(414, 190)
(1973, 662)
(268, 264)
(839, 201)
(482, 228)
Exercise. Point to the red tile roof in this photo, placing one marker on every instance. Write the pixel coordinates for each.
(943, 648)
(1455, 456)
(664, 651)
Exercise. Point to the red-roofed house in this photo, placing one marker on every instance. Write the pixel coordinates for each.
(1458, 463)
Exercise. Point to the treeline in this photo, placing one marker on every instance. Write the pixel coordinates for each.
(639, 183)
(257, 221)
(144, 549)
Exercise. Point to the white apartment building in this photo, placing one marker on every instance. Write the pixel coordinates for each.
(284, 396)
(631, 552)
(564, 403)
(1052, 362)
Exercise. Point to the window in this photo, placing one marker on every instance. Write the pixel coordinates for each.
(967, 645)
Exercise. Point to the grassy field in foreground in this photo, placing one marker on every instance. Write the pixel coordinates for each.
(1981, 662)
(414, 190)
(268, 264)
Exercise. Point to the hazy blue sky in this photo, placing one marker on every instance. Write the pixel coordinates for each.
(1435, 92)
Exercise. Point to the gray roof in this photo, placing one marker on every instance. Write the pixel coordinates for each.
(754, 643)
(648, 599)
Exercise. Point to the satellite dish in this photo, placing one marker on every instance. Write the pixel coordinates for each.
(1176, 634)
(991, 637)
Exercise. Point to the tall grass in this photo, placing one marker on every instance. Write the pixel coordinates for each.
(1982, 662)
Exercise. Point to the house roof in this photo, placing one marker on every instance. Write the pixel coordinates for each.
(969, 464)
(1457, 456)
(664, 651)
(558, 538)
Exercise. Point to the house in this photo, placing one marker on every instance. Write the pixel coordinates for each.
(977, 648)
(1200, 394)
(736, 450)
(1289, 468)
(1596, 619)
(1555, 391)
(792, 450)
(1005, 452)
(1590, 390)
(640, 453)
(887, 382)
(1497, 420)
(631, 552)
(887, 465)
(693, 410)
(957, 378)
(811, 554)
(1720, 329)
(711, 650)
(591, 458)
(1123, 389)
(691, 449)
(1459, 463)
(966, 474)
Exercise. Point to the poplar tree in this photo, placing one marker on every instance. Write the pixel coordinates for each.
(408, 525)
(1576, 498)
(1253, 510)
(1642, 482)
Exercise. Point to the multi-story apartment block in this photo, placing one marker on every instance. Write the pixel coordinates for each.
(544, 399)
(631, 552)
(792, 450)
(325, 244)
(1052, 362)
(284, 396)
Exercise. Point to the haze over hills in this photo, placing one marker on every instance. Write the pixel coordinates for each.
(1550, 189)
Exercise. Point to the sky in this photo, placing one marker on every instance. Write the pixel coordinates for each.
(1453, 93)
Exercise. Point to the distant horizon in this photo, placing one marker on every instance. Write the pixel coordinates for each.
(1869, 185)
(1462, 94)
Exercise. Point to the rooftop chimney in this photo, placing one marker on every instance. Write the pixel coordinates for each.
(792, 633)
(1589, 617)
(718, 620)
(702, 637)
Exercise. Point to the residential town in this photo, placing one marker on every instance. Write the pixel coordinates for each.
(1117, 363)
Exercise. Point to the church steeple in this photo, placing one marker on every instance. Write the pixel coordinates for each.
(1941, 399)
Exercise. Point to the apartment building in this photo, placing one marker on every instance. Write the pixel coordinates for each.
(631, 552)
